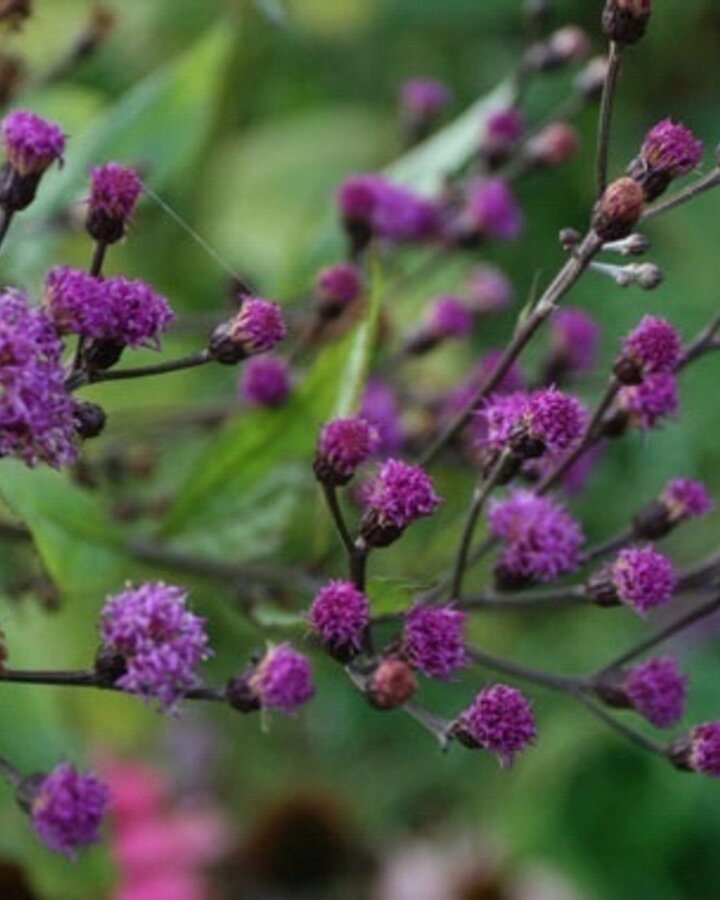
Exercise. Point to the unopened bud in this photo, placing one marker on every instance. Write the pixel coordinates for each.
(618, 210)
(391, 685)
(625, 21)
(556, 144)
(589, 82)
(89, 419)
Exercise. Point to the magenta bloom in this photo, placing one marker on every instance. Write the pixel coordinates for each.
(337, 286)
(265, 381)
(642, 578)
(671, 149)
(67, 809)
(488, 290)
(259, 326)
(654, 399)
(432, 640)
(505, 125)
(161, 642)
(449, 317)
(398, 495)
(385, 209)
(78, 303)
(344, 444)
(339, 616)
(424, 98)
(501, 721)
(654, 346)
(542, 540)
(114, 193)
(282, 679)
(656, 688)
(379, 407)
(686, 499)
(498, 420)
(31, 144)
(492, 210)
(705, 749)
(140, 314)
(574, 336)
(36, 412)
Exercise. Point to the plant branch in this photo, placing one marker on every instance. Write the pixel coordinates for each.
(711, 180)
(200, 358)
(523, 673)
(606, 109)
(633, 736)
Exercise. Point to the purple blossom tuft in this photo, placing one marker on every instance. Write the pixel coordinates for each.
(344, 444)
(488, 290)
(671, 149)
(492, 210)
(161, 643)
(114, 193)
(379, 407)
(399, 494)
(504, 125)
(386, 209)
(705, 749)
(78, 303)
(654, 399)
(448, 317)
(574, 336)
(339, 616)
(424, 98)
(282, 679)
(31, 144)
(67, 809)
(265, 381)
(498, 419)
(642, 578)
(686, 499)
(433, 641)
(542, 539)
(36, 412)
(501, 721)
(654, 346)
(656, 688)
(258, 327)
(337, 286)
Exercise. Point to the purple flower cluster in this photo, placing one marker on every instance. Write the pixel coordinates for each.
(492, 211)
(67, 808)
(542, 540)
(399, 494)
(385, 209)
(282, 679)
(36, 412)
(686, 499)
(652, 400)
(501, 721)
(432, 640)
(337, 286)
(344, 444)
(339, 615)
(654, 346)
(574, 337)
(265, 381)
(379, 407)
(114, 193)
(705, 749)
(656, 689)
(642, 578)
(448, 317)
(258, 327)
(161, 643)
(31, 144)
(671, 149)
(504, 125)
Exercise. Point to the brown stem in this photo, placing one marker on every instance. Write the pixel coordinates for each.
(711, 180)
(514, 670)
(606, 109)
(635, 737)
(200, 358)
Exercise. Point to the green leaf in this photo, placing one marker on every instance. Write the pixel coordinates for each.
(389, 596)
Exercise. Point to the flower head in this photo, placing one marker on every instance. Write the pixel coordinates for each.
(398, 495)
(686, 499)
(670, 148)
(379, 407)
(265, 381)
(542, 540)
(618, 210)
(78, 303)
(433, 640)
(556, 144)
(257, 328)
(36, 412)
(282, 679)
(449, 317)
(654, 346)
(344, 444)
(67, 808)
(488, 290)
(501, 721)
(337, 286)
(114, 193)
(140, 314)
(161, 643)
(625, 21)
(339, 616)
(424, 98)
(654, 399)
(656, 688)
(492, 210)
(705, 749)
(31, 144)
(504, 125)
(388, 210)
(574, 336)
(642, 578)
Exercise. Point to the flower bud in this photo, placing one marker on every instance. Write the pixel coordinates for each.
(336, 287)
(344, 444)
(618, 210)
(391, 685)
(681, 499)
(114, 192)
(640, 578)
(556, 144)
(625, 21)
(256, 328)
(90, 420)
(31, 146)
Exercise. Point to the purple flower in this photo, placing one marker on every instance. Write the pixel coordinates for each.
(140, 315)
(498, 420)
(654, 399)
(686, 499)
(501, 721)
(339, 615)
(448, 317)
(257, 328)
(424, 98)
(78, 303)
(31, 144)
(282, 679)
(642, 578)
(114, 192)
(337, 286)
(574, 336)
(398, 495)
(379, 407)
(67, 809)
(488, 290)
(504, 125)
(705, 749)
(542, 539)
(385, 209)
(36, 412)
(344, 444)
(432, 640)
(654, 346)
(671, 149)
(656, 689)
(265, 381)
(161, 643)
(492, 210)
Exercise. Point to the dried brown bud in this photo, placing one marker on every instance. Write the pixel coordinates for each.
(391, 685)
(625, 21)
(618, 210)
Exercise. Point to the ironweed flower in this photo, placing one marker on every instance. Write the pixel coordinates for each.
(488, 290)
(398, 495)
(344, 444)
(265, 381)
(682, 499)
(499, 720)
(336, 287)
(257, 328)
(668, 151)
(653, 346)
(625, 21)
(656, 689)
(114, 193)
(379, 407)
(339, 615)
(574, 337)
(432, 640)
(648, 403)
(639, 577)
(282, 680)
(31, 146)
(491, 211)
(618, 210)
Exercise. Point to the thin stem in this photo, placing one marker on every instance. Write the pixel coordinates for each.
(10, 773)
(711, 180)
(6, 217)
(558, 288)
(606, 109)
(357, 562)
(634, 736)
(514, 670)
(700, 343)
(200, 358)
(98, 258)
(331, 498)
(12, 532)
(541, 600)
(609, 546)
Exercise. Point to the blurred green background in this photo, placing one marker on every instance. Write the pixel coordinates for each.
(244, 126)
